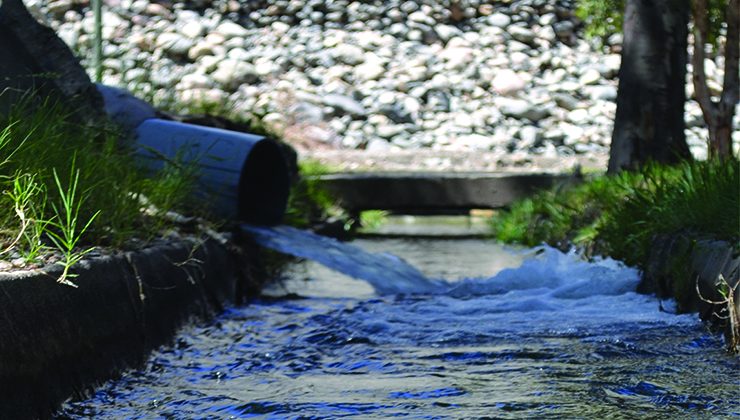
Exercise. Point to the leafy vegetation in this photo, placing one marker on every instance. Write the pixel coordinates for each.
(620, 215)
(69, 187)
(602, 17)
(700, 198)
(605, 17)
(309, 203)
(373, 219)
(67, 232)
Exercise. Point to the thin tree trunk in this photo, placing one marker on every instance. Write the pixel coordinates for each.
(649, 124)
(717, 115)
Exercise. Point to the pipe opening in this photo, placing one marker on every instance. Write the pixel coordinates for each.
(264, 185)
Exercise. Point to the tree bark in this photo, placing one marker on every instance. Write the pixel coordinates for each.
(649, 124)
(717, 115)
(33, 58)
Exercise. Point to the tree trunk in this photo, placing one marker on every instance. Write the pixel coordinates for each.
(33, 58)
(649, 124)
(717, 115)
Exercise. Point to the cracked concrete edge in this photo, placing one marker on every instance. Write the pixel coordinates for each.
(57, 341)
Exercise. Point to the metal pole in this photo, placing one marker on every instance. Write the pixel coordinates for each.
(98, 40)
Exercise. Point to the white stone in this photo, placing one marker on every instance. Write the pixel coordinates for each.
(463, 120)
(446, 32)
(231, 73)
(417, 73)
(412, 106)
(710, 68)
(389, 131)
(530, 135)
(516, 46)
(349, 54)
(579, 116)
(231, 30)
(59, 7)
(499, 20)
(459, 42)
(215, 38)
(476, 142)
(157, 9)
(369, 71)
(192, 29)
(204, 96)
(239, 54)
(547, 33)
(457, 58)
(387, 98)
(507, 82)
(275, 121)
(194, 81)
(573, 133)
(377, 145)
(319, 134)
(207, 64)
(69, 36)
(520, 60)
(612, 62)
(174, 43)
(590, 77)
(280, 28)
(602, 93)
(421, 17)
(548, 19)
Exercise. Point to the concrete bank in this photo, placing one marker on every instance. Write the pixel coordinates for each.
(57, 341)
(681, 267)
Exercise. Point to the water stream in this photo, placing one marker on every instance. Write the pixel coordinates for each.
(455, 329)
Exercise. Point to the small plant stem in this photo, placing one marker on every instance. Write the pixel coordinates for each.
(732, 317)
(66, 221)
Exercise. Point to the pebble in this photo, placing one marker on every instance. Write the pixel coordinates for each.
(515, 75)
(507, 82)
(499, 20)
(345, 104)
(521, 34)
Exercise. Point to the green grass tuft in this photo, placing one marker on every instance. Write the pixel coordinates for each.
(70, 186)
(701, 198)
(620, 215)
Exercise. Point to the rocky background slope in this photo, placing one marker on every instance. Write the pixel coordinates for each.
(508, 82)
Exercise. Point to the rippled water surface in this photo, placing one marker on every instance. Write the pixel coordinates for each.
(550, 337)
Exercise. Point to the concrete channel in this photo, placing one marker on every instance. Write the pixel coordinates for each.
(58, 342)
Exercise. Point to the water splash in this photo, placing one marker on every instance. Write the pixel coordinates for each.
(555, 274)
(556, 337)
(386, 273)
(548, 273)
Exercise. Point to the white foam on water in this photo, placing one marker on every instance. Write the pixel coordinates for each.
(557, 274)
(551, 272)
(549, 290)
